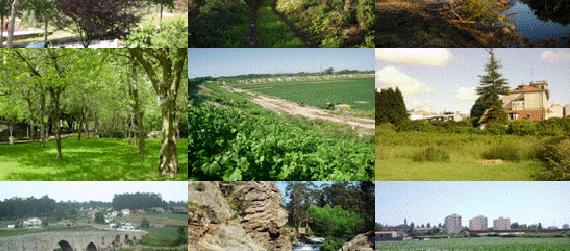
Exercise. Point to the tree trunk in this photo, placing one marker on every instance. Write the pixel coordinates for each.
(138, 119)
(11, 138)
(12, 25)
(43, 133)
(1, 31)
(55, 94)
(160, 22)
(46, 32)
(168, 158)
(79, 127)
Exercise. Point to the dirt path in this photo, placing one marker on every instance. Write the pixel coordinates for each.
(252, 37)
(309, 42)
(312, 113)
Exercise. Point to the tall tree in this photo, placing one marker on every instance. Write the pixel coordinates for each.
(162, 3)
(390, 107)
(165, 81)
(491, 86)
(44, 11)
(12, 25)
(100, 19)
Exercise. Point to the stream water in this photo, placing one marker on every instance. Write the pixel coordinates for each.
(307, 247)
(541, 19)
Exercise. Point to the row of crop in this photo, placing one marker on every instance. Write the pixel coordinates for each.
(334, 23)
(236, 140)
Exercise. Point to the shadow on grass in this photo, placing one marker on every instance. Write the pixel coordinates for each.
(88, 159)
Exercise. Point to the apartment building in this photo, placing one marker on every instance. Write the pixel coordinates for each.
(478, 223)
(502, 223)
(452, 224)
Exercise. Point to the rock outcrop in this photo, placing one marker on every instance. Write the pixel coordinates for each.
(361, 242)
(237, 216)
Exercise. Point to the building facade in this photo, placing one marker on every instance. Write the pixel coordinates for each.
(32, 223)
(452, 224)
(527, 102)
(478, 223)
(502, 223)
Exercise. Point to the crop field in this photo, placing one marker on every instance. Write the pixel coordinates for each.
(356, 92)
(396, 153)
(231, 138)
(478, 244)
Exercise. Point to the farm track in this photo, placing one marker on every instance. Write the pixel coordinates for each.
(311, 113)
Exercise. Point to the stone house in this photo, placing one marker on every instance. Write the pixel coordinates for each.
(527, 102)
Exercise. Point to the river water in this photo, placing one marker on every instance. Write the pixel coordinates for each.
(541, 19)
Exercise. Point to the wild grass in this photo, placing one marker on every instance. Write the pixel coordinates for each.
(167, 236)
(88, 159)
(478, 244)
(395, 152)
(273, 32)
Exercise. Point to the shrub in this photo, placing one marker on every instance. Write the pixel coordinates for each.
(148, 35)
(504, 152)
(556, 154)
(554, 126)
(431, 153)
(417, 125)
(496, 128)
(335, 222)
(522, 128)
(484, 11)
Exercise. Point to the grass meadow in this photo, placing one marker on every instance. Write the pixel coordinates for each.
(356, 92)
(478, 244)
(456, 156)
(88, 159)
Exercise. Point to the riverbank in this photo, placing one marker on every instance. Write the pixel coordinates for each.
(428, 23)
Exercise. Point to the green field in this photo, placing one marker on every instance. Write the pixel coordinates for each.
(88, 159)
(478, 244)
(356, 92)
(156, 218)
(169, 236)
(395, 152)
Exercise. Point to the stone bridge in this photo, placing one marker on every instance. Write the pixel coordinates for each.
(69, 240)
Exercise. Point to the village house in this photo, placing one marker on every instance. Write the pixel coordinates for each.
(528, 102)
(433, 116)
(32, 223)
(126, 211)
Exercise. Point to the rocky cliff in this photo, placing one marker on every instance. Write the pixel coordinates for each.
(237, 216)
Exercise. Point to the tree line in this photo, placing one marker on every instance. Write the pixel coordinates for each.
(108, 93)
(135, 201)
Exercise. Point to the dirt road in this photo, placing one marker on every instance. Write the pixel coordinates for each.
(312, 113)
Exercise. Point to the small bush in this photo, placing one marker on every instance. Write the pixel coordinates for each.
(431, 153)
(417, 125)
(496, 128)
(554, 127)
(522, 128)
(504, 152)
(556, 155)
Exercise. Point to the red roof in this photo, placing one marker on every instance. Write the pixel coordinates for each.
(526, 88)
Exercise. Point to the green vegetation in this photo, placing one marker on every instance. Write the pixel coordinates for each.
(168, 236)
(503, 152)
(155, 219)
(390, 107)
(273, 32)
(333, 23)
(396, 152)
(478, 244)
(219, 23)
(556, 154)
(431, 153)
(88, 159)
(356, 92)
(335, 224)
(230, 138)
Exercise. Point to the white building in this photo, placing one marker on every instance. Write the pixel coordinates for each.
(11, 226)
(502, 223)
(452, 224)
(478, 223)
(126, 226)
(32, 223)
(434, 116)
(556, 111)
(126, 211)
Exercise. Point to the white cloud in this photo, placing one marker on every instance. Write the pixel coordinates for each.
(555, 55)
(390, 76)
(466, 94)
(425, 56)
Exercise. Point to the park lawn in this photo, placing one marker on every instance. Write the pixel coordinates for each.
(88, 159)
(394, 153)
(478, 243)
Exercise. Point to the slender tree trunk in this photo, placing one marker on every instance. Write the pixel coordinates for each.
(168, 158)
(79, 127)
(55, 95)
(31, 118)
(45, 32)
(160, 22)
(138, 119)
(1, 31)
(12, 26)
(11, 131)
(43, 133)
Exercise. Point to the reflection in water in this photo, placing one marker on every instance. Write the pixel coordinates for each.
(541, 19)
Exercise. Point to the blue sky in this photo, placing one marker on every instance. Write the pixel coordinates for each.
(231, 62)
(443, 79)
(91, 190)
(423, 202)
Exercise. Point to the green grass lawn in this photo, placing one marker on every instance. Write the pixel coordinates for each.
(273, 32)
(356, 92)
(478, 244)
(88, 159)
(395, 152)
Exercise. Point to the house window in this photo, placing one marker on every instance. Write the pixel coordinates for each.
(513, 116)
